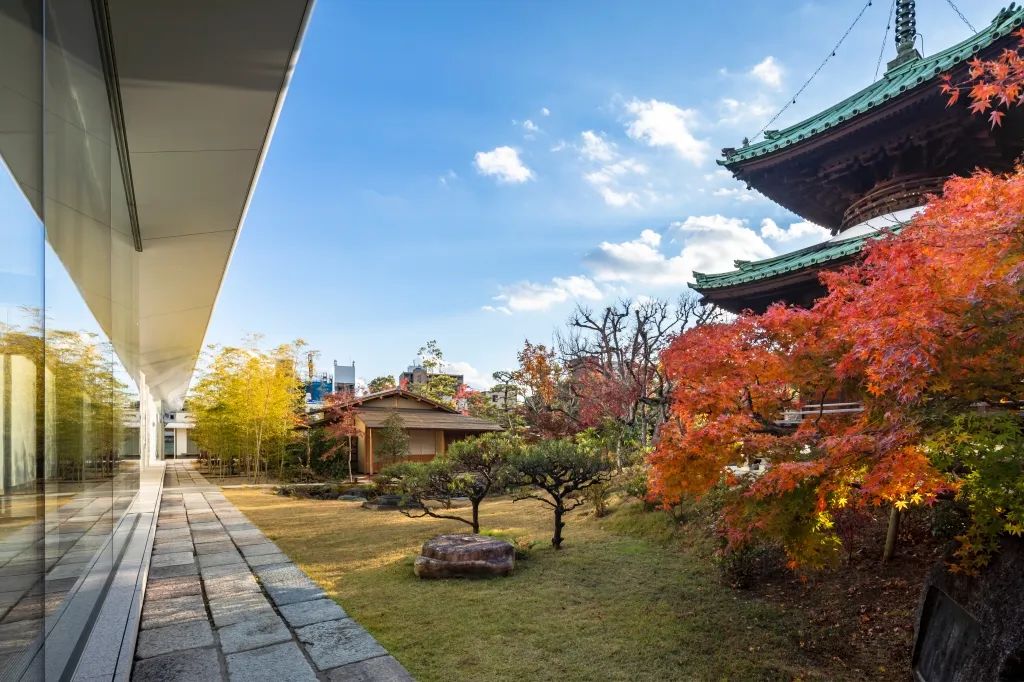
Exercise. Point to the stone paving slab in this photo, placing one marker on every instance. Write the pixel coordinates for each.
(287, 584)
(309, 612)
(380, 669)
(169, 588)
(194, 664)
(335, 643)
(224, 602)
(237, 608)
(266, 559)
(173, 571)
(270, 664)
(253, 633)
(177, 637)
(160, 612)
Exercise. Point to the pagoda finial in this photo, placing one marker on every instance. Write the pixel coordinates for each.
(906, 25)
(906, 33)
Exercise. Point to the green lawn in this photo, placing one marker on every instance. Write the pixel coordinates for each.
(623, 600)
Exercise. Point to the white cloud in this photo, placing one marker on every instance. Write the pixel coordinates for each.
(732, 111)
(530, 127)
(606, 178)
(608, 173)
(496, 309)
(735, 193)
(559, 146)
(448, 177)
(706, 244)
(544, 111)
(801, 230)
(619, 199)
(504, 164)
(661, 124)
(533, 296)
(596, 147)
(470, 374)
(768, 71)
(709, 243)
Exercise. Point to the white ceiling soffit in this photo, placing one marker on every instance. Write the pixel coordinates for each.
(201, 85)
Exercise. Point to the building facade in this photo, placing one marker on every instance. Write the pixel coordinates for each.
(131, 136)
(430, 426)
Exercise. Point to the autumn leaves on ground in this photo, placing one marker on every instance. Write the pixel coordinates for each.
(631, 596)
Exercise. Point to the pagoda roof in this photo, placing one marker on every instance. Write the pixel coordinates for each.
(896, 81)
(817, 257)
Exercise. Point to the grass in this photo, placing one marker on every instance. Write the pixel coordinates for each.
(625, 599)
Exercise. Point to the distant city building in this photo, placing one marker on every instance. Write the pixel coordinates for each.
(504, 396)
(344, 378)
(341, 380)
(318, 388)
(416, 374)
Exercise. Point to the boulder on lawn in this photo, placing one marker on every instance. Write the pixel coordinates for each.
(384, 503)
(465, 556)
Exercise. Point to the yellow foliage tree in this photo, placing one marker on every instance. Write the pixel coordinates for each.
(247, 403)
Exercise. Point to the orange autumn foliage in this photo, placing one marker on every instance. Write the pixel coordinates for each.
(991, 85)
(927, 325)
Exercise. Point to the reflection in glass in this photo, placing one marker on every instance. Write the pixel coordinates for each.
(69, 451)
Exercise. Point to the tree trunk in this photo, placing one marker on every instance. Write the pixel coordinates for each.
(476, 516)
(351, 478)
(891, 534)
(556, 541)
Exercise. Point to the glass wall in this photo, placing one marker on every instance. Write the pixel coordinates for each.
(69, 452)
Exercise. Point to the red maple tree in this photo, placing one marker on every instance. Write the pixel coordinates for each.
(925, 329)
(992, 85)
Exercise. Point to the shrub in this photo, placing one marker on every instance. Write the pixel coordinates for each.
(597, 496)
(558, 473)
(742, 566)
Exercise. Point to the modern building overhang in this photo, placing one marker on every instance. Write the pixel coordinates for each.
(194, 88)
(201, 86)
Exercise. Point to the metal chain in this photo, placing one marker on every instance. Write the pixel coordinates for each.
(961, 15)
(885, 37)
(792, 100)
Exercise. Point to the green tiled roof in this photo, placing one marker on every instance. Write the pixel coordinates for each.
(816, 255)
(896, 81)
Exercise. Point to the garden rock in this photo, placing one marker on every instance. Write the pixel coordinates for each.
(465, 556)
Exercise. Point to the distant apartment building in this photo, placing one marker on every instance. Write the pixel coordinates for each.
(504, 396)
(344, 378)
(416, 374)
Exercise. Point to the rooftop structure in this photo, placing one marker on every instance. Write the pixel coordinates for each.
(868, 159)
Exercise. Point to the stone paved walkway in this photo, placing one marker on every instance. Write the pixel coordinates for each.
(223, 602)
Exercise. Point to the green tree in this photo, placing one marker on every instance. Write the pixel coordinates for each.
(439, 386)
(391, 441)
(381, 383)
(558, 473)
(471, 468)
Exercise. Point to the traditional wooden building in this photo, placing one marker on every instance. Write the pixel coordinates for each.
(868, 163)
(431, 426)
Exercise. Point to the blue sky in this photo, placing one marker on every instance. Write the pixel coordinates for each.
(468, 171)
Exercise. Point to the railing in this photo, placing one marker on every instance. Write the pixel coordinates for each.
(796, 417)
